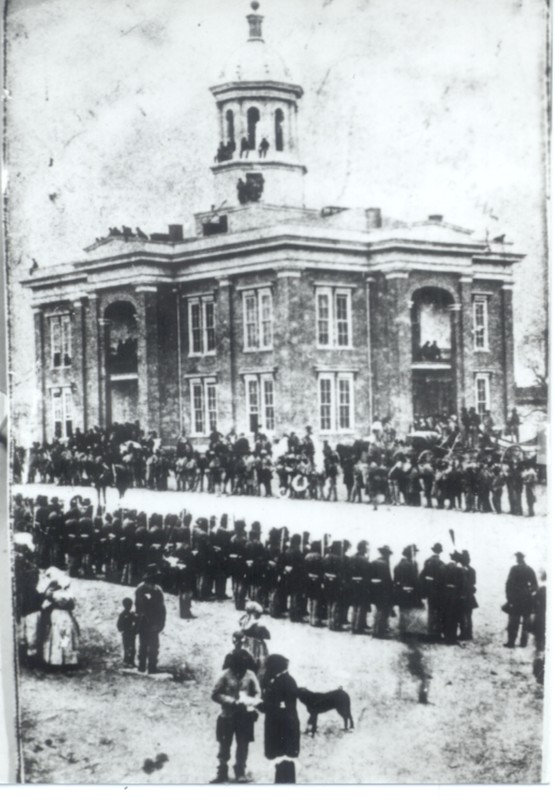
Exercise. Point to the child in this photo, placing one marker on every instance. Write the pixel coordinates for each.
(127, 625)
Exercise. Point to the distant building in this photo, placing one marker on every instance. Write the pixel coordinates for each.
(274, 316)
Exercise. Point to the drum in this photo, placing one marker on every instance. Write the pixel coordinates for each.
(299, 484)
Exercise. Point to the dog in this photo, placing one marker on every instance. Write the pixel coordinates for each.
(320, 702)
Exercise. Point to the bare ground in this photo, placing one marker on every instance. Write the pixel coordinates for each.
(483, 723)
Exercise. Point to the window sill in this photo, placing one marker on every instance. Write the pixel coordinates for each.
(201, 355)
(334, 347)
(482, 350)
(258, 349)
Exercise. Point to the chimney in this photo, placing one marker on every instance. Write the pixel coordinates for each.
(373, 218)
(175, 232)
(435, 218)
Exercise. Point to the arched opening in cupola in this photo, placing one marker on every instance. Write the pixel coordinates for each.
(253, 118)
(278, 118)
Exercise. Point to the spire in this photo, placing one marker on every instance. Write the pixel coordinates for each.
(255, 23)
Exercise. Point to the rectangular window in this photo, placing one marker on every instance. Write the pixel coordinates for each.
(482, 394)
(60, 340)
(202, 336)
(323, 302)
(266, 322)
(62, 412)
(258, 317)
(480, 319)
(259, 395)
(204, 406)
(268, 386)
(344, 404)
(251, 322)
(325, 404)
(333, 317)
(336, 398)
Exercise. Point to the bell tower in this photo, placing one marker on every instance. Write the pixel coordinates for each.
(257, 154)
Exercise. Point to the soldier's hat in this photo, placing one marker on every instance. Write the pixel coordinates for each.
(410, 550)
(256, 526)
(315, 547)
(296, 540)
(456, 556)
(362, 545)
(274, 536)
(518, 554)
(151, 571)
(437, 548)
(223, 522)
(336, 548)
(202, 524)
(385, 550)
(239, 526)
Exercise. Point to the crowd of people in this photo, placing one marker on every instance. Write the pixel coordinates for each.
(325, 582)
(319, 583)
(444, 463)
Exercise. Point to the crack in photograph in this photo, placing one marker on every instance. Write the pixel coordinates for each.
(277, 292)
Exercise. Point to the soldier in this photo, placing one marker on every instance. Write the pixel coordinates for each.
(382, 592)
(294, 572)
(220, 544)
(359, 581)
(334, 586)
(430, 588)
(255, 558)
(313, 563)
(468, 601)
(406, 589)
(186, 577)
(452, 589)
(520, 588)
(238, 557)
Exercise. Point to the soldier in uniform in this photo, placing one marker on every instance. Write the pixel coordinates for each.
(313, 563)
(220, 545)
(520, 588)
(406, 589)
(255, 557)
(430, 588)
(294, 573)
(468, 602)
(359, 584)
(452, 589)
(238, 558)
(382, 592)
(334, 586)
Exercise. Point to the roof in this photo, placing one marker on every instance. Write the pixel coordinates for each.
(255, 61)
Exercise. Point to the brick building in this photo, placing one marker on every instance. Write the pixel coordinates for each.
(273, 315)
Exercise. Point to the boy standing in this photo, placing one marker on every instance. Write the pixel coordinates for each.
(127, 626)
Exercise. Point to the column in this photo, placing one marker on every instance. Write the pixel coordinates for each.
(508, 349)
(40, 368)
(457, 360)
(91, 310)
(466, 345)
(369, 322)
(225, 349)
(78, 340)
(400, 331)
(148, 355)
(290, 409)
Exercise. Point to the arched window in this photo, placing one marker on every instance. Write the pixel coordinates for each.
(230, 126)
(253, 118)
(279, 129)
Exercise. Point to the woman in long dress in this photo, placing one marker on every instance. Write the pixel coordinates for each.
(58, 631)
(256, 634)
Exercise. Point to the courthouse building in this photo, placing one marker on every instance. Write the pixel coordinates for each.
(274, 315)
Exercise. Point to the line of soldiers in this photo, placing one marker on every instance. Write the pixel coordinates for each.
(286, 574)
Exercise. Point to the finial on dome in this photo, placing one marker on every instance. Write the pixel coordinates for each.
(255, 22)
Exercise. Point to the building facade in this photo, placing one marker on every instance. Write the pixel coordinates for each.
(273, 316)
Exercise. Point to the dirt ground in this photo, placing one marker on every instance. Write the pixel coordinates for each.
(483, 723)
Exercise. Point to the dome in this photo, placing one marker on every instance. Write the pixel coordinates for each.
(255, 61)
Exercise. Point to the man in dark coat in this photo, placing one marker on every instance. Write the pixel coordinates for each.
(359, 585)
(382, 592)
(520, 589)
(313, 578)
(282, 734)
(406, 589)
(238, 693)
(334, 586)
(468, 599)
(430, 588)
(452, 587)
(151, 619)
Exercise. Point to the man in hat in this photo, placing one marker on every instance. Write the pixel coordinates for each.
(382, 592)
(238, 693)
(406, 589)
(359, 584)
(468, 600)
(151, 618)
(520, 588)
(238, 564)
(430, 588)
(314, 572)
(529, 479)
(451, 595)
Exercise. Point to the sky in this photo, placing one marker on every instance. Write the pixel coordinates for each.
(435, 106)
